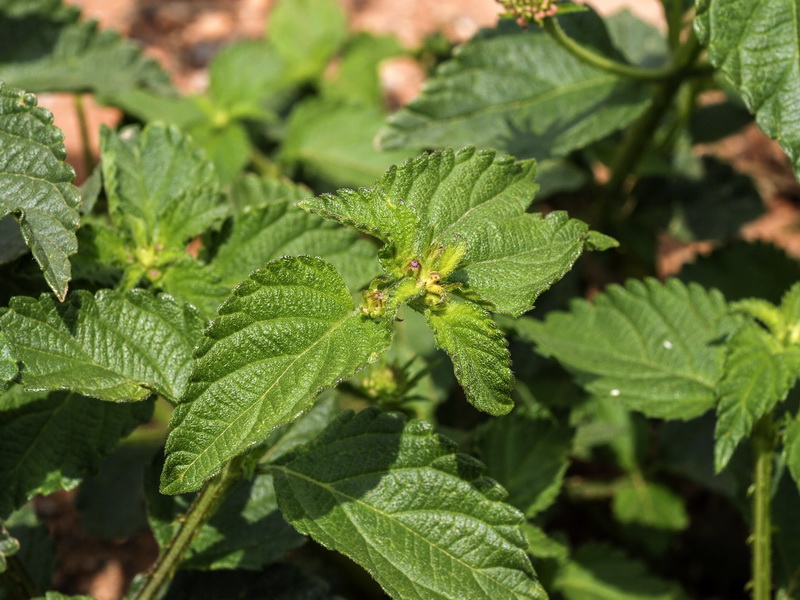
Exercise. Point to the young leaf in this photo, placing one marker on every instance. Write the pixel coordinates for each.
(396, 498)
(653, 347)
(650, 504)
(8, 362)
(479, 353)
(191, 281)
(36, 185)
(48, 442)
(511, 261)
(528, 457)
(110, 346)
(600, 571)
(287, 333)
(160, 188)
(291, 231)
(755, 46)
(47, 49)
(520, 92)
(759, 373)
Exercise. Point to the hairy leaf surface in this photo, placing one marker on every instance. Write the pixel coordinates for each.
(110, 346)
(528, 457)
(49, 442)
(759, 373)
(36, 185)
(479, 353)
(520, 92)
(8, 362)
(653, 347)
(160, 188)
(756, 45)
(287, 333)
(396, 498)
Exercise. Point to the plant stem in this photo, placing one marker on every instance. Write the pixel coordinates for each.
(609, 65)
(16, 580)
(641, 133)
(201, 510)
(83, 126)
(763, 441)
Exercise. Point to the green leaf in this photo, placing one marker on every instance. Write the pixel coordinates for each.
(46, 49)
(791, 448)
(37, 551)
(190, 281)
(332, 140)
(110, 346)
(756, 48)
(520, 92)
(650, 504)
(759, 373)
(36, 185)
(396, 498)
(227, 147)
(542, 546)
(160, 188)
(357, 79)
(652, 347)
(252, 191)
(49, 442)
(641, 43)
(288, 332)
(601, 572)
(307, 33)
(8, 362)
(246, 532)
(479, 353)
(510, 262)
(9, 546)
(528, 457)
(12, 244)
(291, 231)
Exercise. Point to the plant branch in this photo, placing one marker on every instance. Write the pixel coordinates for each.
(554, 30)
(16, 580)
(83, 126)
(201, 510)
(763, 441)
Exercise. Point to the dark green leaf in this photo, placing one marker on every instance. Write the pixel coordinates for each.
(756, 46)
(479, 353)
(287, 333)
(396, 498)
(49, 442)
(37, 551)
(528, 457)
(12, 244)
(110, 346)
(653, 347)
(520, 92)
(36, 184)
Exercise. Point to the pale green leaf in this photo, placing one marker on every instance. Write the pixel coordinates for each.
(246, 532)
(47, 49)
(9, 546)
(650, 504)
(160, 188)
(49, 442)
(8, 362)
(396, 498)
(509, 262)
(110, 346)
(790, 309)
(36, 184)
(528, 457)
(306, 34)
(288, 332)
(652, 347)
(759, 373)
(277, 228)
(601, 572)
(190, 281)
(228, 147)
(520, 92)
(479, 353)
(333, 141)
(757, 45)
(252, 191)
(542, 546)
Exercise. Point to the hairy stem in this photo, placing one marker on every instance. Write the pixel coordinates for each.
(763, 441)
(201, 510)
(641, 133)
(16, 581)
(83, 126)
